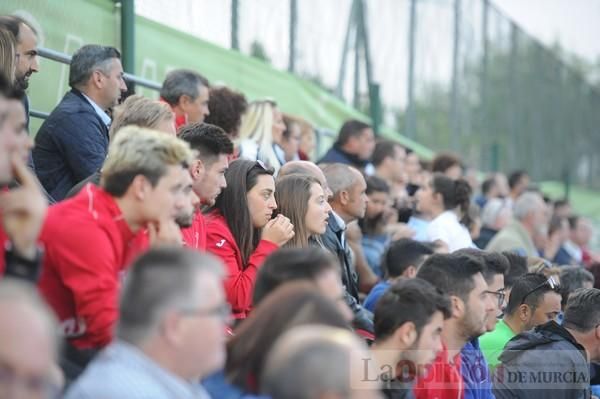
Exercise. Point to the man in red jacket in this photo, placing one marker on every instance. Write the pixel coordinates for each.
(213, 148)
(87, 237)
(23, 206)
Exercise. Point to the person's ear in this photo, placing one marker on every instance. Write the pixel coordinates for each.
(140, 187)
(524, 313)
(197, 169)
(170, 328)
(410, 272)
(458, 307)
(97, 79)
(406, 335)
(344, 197)
(184, 101)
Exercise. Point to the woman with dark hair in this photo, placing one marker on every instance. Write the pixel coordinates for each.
(446, 202)
(301, 198)
(291, 305)
(241, 231)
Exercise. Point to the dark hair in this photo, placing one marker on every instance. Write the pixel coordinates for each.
(488, 184)
(409, 300)
(289, 122)
(351, 128)
(523, 286)
(555, 224)
(7, 89)
(241, 176)
(226, 109)
(561, 202)
(291, 264)
(180, 82)
(444, 161)
(290, 305)
(384, 149)
(403, 253)
(87, 59)
(573, 220)
(582, 312)
(571, 279)
(452, 274)
(376, 184)
(515, 177)
(493, 262)
(455, 193)
(517, 267)
(208, 140)
(12, 23)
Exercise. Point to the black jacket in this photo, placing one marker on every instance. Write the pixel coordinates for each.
(70, 145)
(546, 362)
(363, 319)
(336, 155)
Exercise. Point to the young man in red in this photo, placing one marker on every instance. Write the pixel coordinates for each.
(87, 238)
(212, 151)
(460, 277)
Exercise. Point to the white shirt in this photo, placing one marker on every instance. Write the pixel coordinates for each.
(448, 229)
(101, 113)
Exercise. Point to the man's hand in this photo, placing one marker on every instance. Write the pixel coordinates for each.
(165, 232)
(23, 210)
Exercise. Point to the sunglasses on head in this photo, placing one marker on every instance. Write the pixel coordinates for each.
(551, 283)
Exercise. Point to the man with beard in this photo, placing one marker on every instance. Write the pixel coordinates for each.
(462, 280)
(213, 149)
(408, 328)
(27, 60)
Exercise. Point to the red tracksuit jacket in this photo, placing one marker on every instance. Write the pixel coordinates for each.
(195, 235)
(86, 242)
(239, 281)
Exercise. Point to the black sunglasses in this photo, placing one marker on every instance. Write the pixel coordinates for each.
(551, 282)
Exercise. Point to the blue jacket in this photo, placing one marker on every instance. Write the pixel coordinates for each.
(337, 155)
(70, 145)
(219, 387)
(475, 372)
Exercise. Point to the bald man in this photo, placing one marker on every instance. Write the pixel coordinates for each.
(305, 168)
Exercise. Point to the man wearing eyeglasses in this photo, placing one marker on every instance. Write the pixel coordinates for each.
(534, 300)
(552, 361)
(72, 143)
(170, 332)
(475, 372)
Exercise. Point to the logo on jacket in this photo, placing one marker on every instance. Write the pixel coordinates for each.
(220, 243)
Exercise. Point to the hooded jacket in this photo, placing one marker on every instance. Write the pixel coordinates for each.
(546, 362)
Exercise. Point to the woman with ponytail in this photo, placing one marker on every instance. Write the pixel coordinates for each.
(446, 202)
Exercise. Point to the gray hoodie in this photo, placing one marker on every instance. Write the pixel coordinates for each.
(546, 362)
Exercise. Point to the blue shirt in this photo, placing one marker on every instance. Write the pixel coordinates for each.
(122, 371)
(373, 248)
(475, 372)
(376, 293)
(219, 388)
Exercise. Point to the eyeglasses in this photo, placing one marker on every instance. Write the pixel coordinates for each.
(501, 295)
(551, 283)
(222, 311)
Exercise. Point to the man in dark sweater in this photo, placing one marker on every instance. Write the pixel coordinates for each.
(73, 141)
(552, 361)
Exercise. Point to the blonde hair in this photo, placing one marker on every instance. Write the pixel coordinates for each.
(257, 127)
(140, 111)
(138, 151)
(8, 55)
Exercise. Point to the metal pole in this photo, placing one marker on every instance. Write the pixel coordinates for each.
(235, 44)
(357, 48)
(374, 99)
(454, 108)
(484, 126)
(128, 39)
(342, 75)
(293, 28)
(411, 128)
